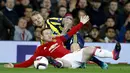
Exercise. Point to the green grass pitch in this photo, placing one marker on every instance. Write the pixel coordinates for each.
(90, 69)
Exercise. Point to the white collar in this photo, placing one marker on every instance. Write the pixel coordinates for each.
(9, 9)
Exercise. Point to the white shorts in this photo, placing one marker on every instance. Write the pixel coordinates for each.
(74, 58)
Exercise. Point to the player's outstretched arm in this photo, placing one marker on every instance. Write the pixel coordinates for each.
(25, 64)
(83, 20)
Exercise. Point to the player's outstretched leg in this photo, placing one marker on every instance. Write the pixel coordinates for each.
(107, 54)
(116, 51)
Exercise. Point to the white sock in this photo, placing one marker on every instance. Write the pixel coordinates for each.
(103, 53)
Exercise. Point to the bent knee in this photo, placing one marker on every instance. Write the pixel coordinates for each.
(89, 49)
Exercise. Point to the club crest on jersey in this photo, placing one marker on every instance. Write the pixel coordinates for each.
(54, 40)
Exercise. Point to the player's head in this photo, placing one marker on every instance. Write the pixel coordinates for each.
(46, 34)
(37, 19)
(68, 20)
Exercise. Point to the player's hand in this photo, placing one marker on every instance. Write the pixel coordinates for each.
(9, 65)
(84, 19)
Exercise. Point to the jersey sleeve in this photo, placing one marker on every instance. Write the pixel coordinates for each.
(71, 32)
(30, 61)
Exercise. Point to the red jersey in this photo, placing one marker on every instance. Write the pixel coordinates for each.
(58, 52)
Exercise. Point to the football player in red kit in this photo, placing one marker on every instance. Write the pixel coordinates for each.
(53, 47)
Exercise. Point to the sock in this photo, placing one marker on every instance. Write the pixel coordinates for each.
(97, 61)
(83, 65)
(103, 53)
(57, 64)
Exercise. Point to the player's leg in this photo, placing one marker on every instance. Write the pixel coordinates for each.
(100, 63)
(89, 51)
(106, 54)
(64, 62)
(103, 65)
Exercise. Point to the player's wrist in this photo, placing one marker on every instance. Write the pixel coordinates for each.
(12, 65)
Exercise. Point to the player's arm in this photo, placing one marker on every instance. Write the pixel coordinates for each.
(74, 29)
(25, 63)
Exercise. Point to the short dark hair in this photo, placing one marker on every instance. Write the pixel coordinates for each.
(113, 1)
(29, 6)
(96, 0)
(45, 29)
(110, 28)
(22, 18)
(112, 17)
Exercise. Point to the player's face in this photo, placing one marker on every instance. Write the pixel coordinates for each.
(37, 20)
(68, 20)
(47, 35)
